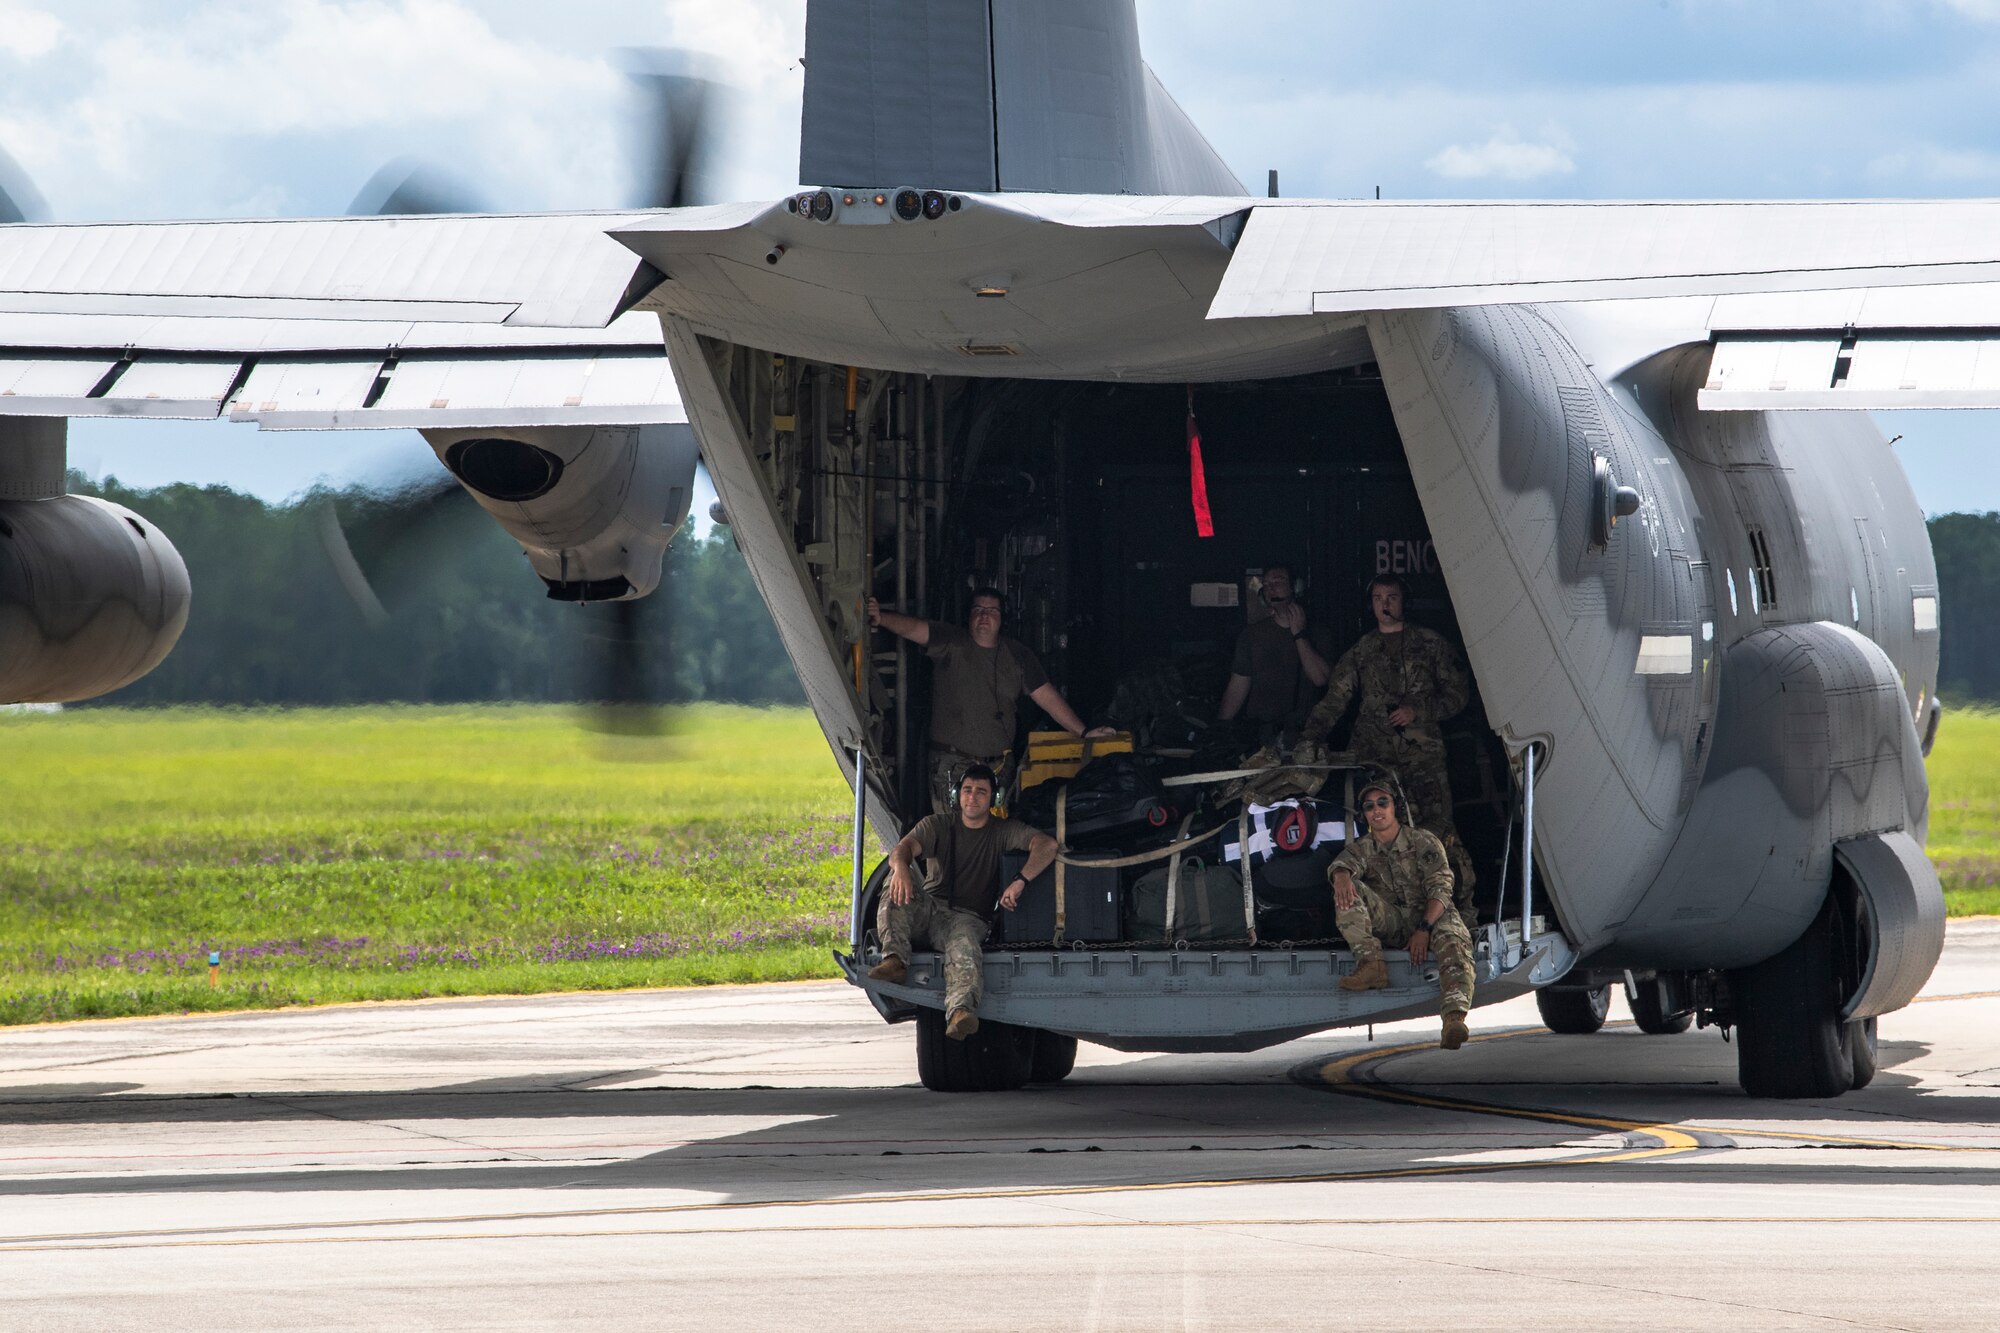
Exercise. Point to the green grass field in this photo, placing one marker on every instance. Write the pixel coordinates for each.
(400, 852)
(396, 852)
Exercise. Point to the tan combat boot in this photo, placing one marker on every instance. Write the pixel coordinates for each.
(962, 1024)
(1453, 1034)
(891, 969)
(1372, 974)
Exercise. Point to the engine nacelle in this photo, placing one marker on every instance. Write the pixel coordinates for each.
(92, 597)
(594, 507)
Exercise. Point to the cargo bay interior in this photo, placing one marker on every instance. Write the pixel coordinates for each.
(1076, 500)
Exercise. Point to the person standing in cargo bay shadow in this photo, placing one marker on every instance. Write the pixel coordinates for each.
(1280, 666)
(1394, 887)
(952, 911)
(1410, 680)
(977, 678)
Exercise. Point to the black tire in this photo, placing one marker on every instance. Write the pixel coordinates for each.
(1054, 1058)
(1650, 1013)
(1574, 1012)
(997, 1058)
(1861, 1049)
(1790, 1041)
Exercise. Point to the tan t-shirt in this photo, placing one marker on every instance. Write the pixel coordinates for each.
(974, 690)
(966, 861)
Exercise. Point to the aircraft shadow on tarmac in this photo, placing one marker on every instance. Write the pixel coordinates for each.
(1108, 1127)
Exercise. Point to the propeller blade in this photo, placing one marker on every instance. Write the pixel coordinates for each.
(672, 136)
(631, 644)
(382, 545)
(19, 200)
(408, 185)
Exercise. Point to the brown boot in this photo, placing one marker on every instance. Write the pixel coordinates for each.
(891, 969)
(1371, 974)
(962, 1024)
(1453, 1034)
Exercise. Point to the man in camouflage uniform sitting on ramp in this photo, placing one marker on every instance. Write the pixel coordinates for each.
(1410, 680)
(1393, 886)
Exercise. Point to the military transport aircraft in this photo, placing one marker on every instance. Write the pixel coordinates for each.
(1606, 440)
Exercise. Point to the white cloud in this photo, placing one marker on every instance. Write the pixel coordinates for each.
(1505, 156)
(27, 32)
(1931, 163)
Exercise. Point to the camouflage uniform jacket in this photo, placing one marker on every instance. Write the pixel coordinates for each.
(1408, 872)
(1416, 666)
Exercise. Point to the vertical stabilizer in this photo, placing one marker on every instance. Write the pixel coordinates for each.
(1045, 95)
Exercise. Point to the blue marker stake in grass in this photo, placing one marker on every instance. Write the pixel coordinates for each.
(214, 966)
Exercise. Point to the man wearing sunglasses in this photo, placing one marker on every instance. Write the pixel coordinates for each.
(977, 676)
(1393, 887)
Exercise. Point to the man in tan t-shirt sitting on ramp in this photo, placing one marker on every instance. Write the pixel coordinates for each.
(953, 909)
(977, 677)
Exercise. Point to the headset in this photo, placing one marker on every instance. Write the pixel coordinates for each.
(1372, 776)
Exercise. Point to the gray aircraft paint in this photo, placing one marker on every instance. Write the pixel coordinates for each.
(1033, 95)
(1719, 742)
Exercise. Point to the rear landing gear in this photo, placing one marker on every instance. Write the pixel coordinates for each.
(1649, 1003)
(998, 1058)
(1861, 1049)
(1055, 1057)
(1575, 1012)
(1790, 1041)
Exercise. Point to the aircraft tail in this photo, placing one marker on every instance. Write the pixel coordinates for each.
(982, 95)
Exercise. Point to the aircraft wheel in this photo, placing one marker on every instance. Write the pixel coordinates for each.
(1574, 1012)
(1790, 1041)
(1861, 1048)
(997, 1058)
(1055, 1057)
(1649, 1011)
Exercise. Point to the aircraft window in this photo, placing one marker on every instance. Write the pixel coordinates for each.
(1854, 606)
(1764, 587)
(1924, 612)
(1730, 575)
(1756, 605)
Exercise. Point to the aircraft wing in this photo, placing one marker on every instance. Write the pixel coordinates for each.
(337, 323)
(1838, 304)
(1323, 258)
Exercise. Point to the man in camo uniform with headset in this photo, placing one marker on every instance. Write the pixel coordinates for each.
(1392, 885)
(1410, 680)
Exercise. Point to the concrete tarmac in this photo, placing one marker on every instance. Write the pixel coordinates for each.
(761, 1157)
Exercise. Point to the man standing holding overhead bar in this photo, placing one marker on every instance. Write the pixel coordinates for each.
(978, 676)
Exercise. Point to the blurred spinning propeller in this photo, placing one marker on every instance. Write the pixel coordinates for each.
(19, 201)
(380, 546)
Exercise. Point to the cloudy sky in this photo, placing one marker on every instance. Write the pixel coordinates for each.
(213, 108)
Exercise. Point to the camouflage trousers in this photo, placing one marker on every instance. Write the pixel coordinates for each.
(1374, 921)
(945, 767)
(1428, 788)
(926, 922)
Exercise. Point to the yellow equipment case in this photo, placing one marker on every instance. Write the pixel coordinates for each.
(1058, 754)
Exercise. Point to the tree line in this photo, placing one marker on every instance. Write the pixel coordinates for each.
(467, 620)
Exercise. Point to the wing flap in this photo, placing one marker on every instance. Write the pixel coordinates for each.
(1324, 258)
(1860, 370)
(554, 270)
